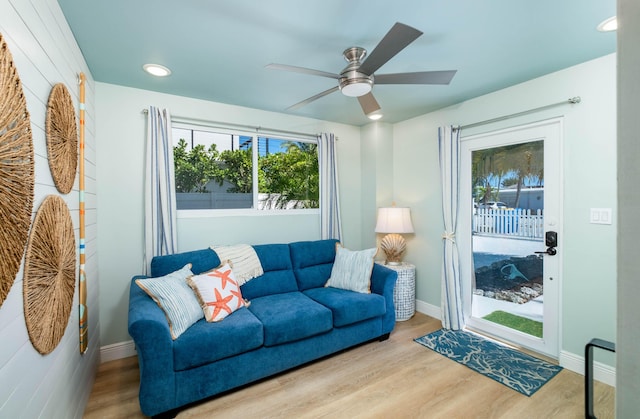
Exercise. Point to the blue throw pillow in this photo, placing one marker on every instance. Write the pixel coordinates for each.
(174, 296)
(352, 269)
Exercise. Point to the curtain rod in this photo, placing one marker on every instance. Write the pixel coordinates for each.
(573, 100)
(227, 125)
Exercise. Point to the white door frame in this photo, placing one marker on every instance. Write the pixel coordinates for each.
(551, 131)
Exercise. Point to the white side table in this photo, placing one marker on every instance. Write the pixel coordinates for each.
(404, 293)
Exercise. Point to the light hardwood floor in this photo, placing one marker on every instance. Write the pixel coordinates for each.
(397, 378)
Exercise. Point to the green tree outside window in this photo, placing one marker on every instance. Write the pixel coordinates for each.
(290, 174)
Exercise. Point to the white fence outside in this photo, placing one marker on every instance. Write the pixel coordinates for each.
(509, 223)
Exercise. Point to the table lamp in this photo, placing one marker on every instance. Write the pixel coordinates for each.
(395, 221)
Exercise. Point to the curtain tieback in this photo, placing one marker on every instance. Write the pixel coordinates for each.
(449, 235)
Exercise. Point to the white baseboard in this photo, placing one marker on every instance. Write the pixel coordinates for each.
(428, 309)
(601, 372)
(117, 351)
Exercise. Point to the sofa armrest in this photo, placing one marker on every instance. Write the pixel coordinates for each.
(383, 281)
(149, 329)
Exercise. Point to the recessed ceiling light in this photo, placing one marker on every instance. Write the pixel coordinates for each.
(156, 70)
(375, 116)
(608, 25)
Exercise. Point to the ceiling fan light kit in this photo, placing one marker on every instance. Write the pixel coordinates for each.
(357, 78)
(355, 87)
(353, 83)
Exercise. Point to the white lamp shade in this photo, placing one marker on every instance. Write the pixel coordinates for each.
(394, 220)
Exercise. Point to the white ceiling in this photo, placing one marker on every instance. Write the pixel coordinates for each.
(218, 49)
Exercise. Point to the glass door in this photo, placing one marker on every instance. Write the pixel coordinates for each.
(510, 217)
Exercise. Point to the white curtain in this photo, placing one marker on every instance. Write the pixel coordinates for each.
(453, 310)
(330, 224)
(159, 188)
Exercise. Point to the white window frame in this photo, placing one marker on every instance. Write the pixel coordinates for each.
(254, 211)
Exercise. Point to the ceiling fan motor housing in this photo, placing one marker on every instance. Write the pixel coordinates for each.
(352, 82)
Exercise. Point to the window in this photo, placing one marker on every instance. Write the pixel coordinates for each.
(219, 169)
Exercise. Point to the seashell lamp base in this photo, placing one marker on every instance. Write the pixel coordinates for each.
(393, 245)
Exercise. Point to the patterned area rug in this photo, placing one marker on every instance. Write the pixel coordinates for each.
(507, 366)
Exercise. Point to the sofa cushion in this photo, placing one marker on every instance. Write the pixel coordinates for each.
(348, 307)
(273, 257)
(200, 260)
(218, 292)
(175, 298)
(352, 269)
(278, 274)
(289, 317)
(204, 342)
(312, 262)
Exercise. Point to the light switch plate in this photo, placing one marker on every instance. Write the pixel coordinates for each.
(600, 216)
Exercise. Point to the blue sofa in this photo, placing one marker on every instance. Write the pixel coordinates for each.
(292, 319)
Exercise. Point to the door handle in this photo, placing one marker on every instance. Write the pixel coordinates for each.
(551, 251)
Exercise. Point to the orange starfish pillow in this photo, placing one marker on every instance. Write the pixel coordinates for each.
(218, 292)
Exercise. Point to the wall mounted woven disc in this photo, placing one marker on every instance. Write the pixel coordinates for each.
(16, 171)
(62, 138)
(49, 274)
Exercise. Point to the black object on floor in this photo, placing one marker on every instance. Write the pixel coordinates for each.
(588, 373)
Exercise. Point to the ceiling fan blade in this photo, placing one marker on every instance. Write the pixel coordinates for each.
(368, 103)
(312, 98)
(393, 42)
(421, 77)
(302, 70)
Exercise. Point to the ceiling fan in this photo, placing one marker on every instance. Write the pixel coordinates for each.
(357, 78)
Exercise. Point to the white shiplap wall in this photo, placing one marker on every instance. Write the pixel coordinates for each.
(56, 385)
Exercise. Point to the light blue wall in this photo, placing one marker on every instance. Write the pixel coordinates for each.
(198, 233)
(588, 300)
(377, 177)
(121, 130)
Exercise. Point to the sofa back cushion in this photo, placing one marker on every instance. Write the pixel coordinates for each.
(312, 262)
(278, 275)
(200, 260)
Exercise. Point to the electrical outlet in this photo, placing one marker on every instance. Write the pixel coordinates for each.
(600, 216)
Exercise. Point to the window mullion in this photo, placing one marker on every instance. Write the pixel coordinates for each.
(255, 171)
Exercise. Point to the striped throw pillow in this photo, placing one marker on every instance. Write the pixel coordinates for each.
(352, 269)
(175, 298)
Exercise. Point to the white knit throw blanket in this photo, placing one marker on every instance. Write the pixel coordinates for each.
(244, 261)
